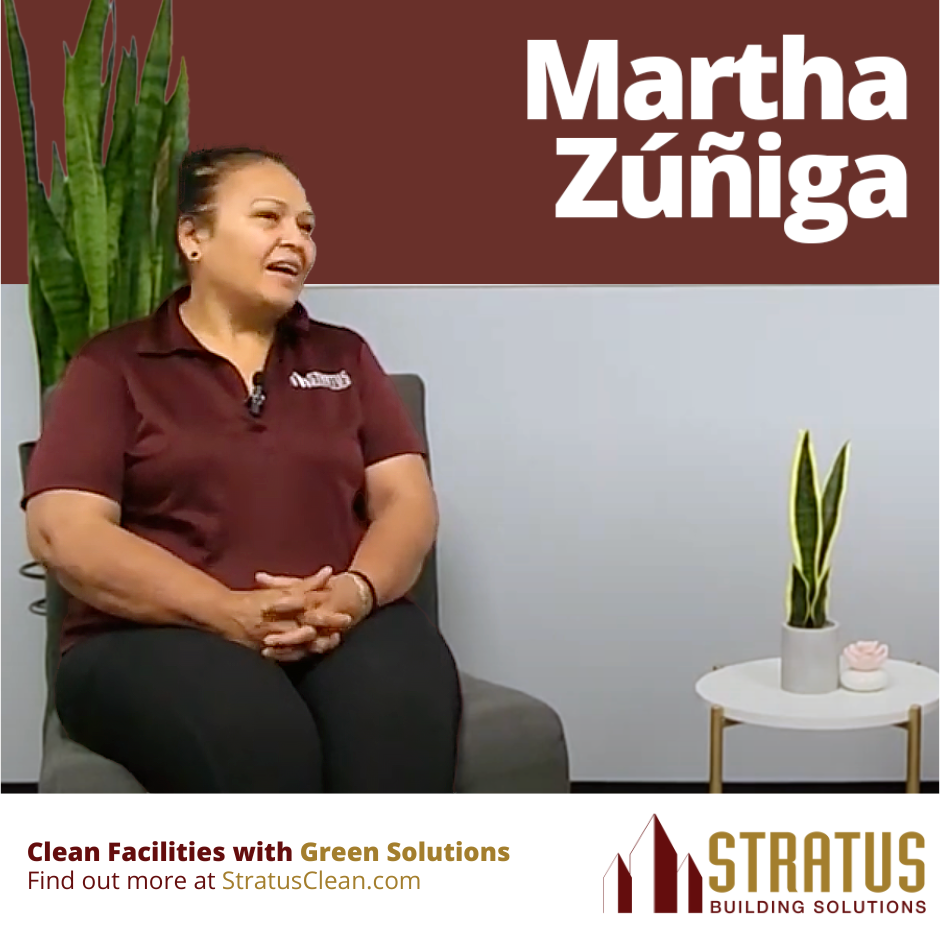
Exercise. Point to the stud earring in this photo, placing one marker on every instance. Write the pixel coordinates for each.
(194, 255)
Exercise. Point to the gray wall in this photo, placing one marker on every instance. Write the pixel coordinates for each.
(21, 633)
(612, 466)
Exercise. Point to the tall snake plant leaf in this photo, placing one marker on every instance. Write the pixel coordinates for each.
(805, 522)
(24, 102)
(168, 271)
(797, 598)
(21, 83)
(833, 494)
(818, 616)
(125, 97)
(106, 87)
(160, 177)
(119, 181)
(61, 279)
(50, 352)
(153, 86)
(60, 201)
(83, 93)
(57, 295)
(174, 274)
(57, 286)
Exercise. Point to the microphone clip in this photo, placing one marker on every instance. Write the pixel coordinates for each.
(255, 400)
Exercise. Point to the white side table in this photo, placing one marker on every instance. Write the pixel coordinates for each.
(750, 693)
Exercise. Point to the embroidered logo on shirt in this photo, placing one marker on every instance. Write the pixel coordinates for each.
(333, 380)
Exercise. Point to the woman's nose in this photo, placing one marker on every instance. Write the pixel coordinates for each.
(296, 242)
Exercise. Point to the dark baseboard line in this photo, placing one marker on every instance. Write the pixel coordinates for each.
(614, 786)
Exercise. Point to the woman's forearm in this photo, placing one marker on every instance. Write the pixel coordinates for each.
(395, 545)
(122, 574)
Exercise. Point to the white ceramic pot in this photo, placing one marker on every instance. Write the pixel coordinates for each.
(869, 680)
(809, 659)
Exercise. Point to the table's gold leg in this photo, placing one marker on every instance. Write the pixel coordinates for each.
(716, 746)
(913, 749)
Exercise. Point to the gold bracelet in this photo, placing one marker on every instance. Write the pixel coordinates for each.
(365, 595)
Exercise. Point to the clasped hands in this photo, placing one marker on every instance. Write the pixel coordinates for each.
(287, 618)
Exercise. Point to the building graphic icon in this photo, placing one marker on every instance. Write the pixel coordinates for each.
(652, 880)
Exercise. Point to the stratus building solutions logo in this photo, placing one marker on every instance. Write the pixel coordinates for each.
(815, 867)
(653, 882)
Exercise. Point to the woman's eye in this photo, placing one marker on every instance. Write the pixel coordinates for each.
(269, 214)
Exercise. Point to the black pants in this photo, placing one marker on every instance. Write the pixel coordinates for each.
(188, 711)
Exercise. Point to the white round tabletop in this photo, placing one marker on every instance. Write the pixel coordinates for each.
(750, 692)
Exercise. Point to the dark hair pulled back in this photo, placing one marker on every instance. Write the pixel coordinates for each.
(201, 172)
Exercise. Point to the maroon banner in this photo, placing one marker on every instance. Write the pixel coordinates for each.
(408, 124)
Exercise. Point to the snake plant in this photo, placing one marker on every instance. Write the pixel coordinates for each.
(814, 521)
(102, 244)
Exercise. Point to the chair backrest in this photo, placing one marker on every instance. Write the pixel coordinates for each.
(424, 594)
(56, 603)
(412, 391)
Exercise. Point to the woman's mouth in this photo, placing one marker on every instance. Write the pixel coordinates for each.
(286, 276)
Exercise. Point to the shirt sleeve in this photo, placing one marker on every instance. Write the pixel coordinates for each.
(82, 442)
(387, 429)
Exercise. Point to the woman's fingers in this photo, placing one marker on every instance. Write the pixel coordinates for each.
(291, 637)
(311, 583)
(291, 599)
(318, 580)
(318, 645)
(274, 580)
(324, 644)
(290, 602)
(297, 650)
(286, 654)
(327, 619)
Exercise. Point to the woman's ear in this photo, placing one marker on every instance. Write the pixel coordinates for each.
(188, 237)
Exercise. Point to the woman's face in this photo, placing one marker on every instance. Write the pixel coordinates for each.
(262, 220)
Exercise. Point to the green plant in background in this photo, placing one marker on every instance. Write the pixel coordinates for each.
(814, 521)
(102, 245)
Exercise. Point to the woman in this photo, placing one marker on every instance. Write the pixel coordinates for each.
(234, 497)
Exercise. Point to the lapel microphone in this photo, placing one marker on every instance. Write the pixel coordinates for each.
(255, 400)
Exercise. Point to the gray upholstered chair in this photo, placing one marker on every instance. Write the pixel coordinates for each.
(509, 742)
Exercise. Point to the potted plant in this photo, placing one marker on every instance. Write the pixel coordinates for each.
(810, 643)
(102, 244)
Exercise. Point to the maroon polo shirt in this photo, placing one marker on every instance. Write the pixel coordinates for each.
(147, 416)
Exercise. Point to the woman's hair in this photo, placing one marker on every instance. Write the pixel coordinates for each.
(201, 171)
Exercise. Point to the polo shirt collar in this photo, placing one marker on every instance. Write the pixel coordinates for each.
(165, 333)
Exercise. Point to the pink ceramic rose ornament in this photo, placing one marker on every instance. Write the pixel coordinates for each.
(865, 655)
(864, 661)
